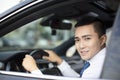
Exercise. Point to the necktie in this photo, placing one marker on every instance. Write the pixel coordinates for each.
(86, 65)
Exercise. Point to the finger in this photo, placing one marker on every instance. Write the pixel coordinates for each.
(48, 51)
(23, 63)
(28, 56)
(45, 57)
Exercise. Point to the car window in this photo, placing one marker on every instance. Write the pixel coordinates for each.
(34, 35)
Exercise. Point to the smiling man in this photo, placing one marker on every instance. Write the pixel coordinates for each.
(90, 42)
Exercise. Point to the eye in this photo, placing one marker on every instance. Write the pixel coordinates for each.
(77, 40)
(87, 38)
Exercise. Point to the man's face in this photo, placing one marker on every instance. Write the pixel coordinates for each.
(87, 41)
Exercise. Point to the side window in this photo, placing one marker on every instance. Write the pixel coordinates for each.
(34, 35)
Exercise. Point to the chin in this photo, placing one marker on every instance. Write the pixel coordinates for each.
(85, 58)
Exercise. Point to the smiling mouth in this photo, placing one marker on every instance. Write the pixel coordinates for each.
(83, 53)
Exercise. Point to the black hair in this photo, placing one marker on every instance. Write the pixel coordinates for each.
(97, 23)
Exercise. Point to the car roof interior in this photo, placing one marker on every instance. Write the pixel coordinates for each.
(104, 9)
(101, 9)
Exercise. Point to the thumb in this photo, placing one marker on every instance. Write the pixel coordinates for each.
(45, 57)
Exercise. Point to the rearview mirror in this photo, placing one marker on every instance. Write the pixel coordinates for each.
(56, 23)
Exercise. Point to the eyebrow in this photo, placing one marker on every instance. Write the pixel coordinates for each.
(75, 38)
(83, 36)
(86, 36)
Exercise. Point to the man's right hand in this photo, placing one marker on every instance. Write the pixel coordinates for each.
(29, 63)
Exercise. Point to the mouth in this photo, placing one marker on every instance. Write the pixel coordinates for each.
(83, 53)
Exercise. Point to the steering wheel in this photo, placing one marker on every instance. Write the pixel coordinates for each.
(38, 54)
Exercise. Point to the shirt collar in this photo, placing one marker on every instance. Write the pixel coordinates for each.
(100, 53)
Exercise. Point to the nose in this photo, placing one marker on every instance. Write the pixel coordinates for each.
(81, 45)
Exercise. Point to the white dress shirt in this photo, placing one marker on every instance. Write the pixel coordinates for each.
(93, 71)
(96, 65)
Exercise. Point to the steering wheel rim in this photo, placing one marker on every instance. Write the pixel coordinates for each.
(40, 53)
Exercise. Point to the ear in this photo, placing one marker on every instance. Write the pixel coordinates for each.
(103, 39)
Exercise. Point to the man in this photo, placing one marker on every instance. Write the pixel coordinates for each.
(90, 42)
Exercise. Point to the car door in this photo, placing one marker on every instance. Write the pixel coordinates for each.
(111, 68)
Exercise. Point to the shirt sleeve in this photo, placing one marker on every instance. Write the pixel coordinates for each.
(66, 70)
(37, 72)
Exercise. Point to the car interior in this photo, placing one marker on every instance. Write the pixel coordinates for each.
(54, 21)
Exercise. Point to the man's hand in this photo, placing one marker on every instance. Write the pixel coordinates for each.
(29, 63)
(53, 57)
